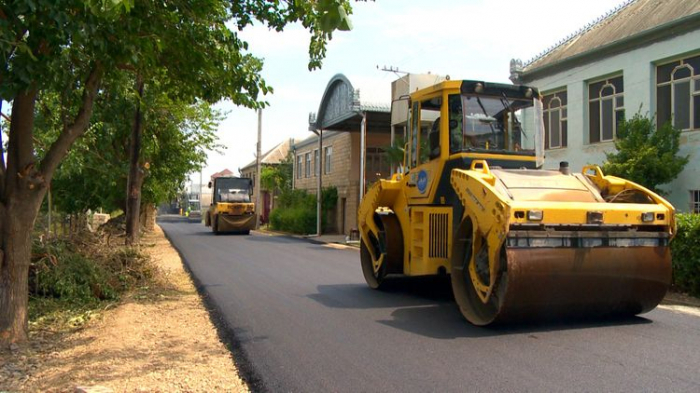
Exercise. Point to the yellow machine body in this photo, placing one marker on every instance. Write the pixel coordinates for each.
(520, 242)
(231, 209)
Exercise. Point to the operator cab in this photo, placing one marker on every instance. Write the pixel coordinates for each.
(479, 120)
(232, 190)
(456, 122)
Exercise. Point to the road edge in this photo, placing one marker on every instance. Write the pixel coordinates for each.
(307, 238)
(226, 332)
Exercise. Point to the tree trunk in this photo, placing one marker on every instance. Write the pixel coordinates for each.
(23, 186)
(133, 197)
(20, 200)
(14, 271)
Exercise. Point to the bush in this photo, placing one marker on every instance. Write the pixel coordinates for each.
(299, 220)
(646, 155)
(685, 250)
(297, 210)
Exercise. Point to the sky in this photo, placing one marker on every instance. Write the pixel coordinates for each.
(465, 39)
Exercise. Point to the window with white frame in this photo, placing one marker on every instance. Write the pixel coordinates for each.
(555, 119)
(328, 155)
(695, 201)
(678, 93)
(308, 165)
(606, 108)
(299, 166)
(317, 163)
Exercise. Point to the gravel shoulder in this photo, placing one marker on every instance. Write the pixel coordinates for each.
(158, 339)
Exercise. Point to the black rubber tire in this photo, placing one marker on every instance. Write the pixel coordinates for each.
(246, 232)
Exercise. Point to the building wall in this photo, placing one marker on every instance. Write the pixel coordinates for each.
(344, 175)
(638, 68)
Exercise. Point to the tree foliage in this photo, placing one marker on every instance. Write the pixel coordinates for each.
(645, 155)
(62, 51)
(94, 175)
(278, 177)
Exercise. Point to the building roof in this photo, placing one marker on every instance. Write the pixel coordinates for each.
(225, 172)
(634, 22)
(342, 107)
(313, 139)
(272, 156)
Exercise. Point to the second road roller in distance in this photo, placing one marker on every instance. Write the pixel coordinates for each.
(231, 209)
(519, 242)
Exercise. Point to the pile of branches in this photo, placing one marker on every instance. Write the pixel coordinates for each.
(87, 266)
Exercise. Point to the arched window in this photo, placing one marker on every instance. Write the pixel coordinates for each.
(605, 108)
(555, 120)
(678, 93)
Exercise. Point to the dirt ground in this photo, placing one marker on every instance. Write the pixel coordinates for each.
(160, 339)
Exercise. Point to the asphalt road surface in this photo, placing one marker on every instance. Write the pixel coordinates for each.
(305, 321)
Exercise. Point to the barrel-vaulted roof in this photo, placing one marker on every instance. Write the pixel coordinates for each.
(342, 107)
(631, 24)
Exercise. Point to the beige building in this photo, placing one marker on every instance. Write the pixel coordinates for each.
(354, 134)
(341, 169)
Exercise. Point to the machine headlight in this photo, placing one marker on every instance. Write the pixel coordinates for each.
(535, 215)
(594, 217)
(648, 217)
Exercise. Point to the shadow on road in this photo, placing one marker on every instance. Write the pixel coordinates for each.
(425, 306)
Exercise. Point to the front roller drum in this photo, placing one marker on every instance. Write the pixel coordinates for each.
(549, 283)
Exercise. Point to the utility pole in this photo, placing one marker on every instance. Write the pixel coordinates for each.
(258, 171)
(319, 193)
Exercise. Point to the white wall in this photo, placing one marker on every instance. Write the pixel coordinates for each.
(638, 69)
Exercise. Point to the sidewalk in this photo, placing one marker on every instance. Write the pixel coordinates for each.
(323, 239)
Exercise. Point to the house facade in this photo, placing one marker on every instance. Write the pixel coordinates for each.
(341, 169)
(641, 57)
(272, 157)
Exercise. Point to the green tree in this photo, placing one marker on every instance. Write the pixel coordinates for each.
(645, 155)
(176, 138)
(69, 46)
(278, 177)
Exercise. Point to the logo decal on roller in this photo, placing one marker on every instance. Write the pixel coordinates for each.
(422, 181)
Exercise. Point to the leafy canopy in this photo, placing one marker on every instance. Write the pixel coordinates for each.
(645, 155)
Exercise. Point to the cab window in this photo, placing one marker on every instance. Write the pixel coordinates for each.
(429, 147)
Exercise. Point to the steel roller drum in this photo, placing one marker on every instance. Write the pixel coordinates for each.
(550, 283)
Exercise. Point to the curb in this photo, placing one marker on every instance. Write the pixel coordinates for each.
(310, 239)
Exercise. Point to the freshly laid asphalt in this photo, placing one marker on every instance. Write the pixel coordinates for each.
(303, 320)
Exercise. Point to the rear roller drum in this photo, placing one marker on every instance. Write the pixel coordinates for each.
(215, 224)
(388, 249)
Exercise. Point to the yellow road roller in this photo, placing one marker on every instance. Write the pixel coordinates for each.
(231, 209)
(520, 242)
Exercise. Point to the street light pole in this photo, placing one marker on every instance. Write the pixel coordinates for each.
(258, 171)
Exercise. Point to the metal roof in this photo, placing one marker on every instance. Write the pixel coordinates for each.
(632, 19)
(342, 108)
(274, 155)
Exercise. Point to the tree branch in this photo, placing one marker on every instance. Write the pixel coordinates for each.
(60, 147)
